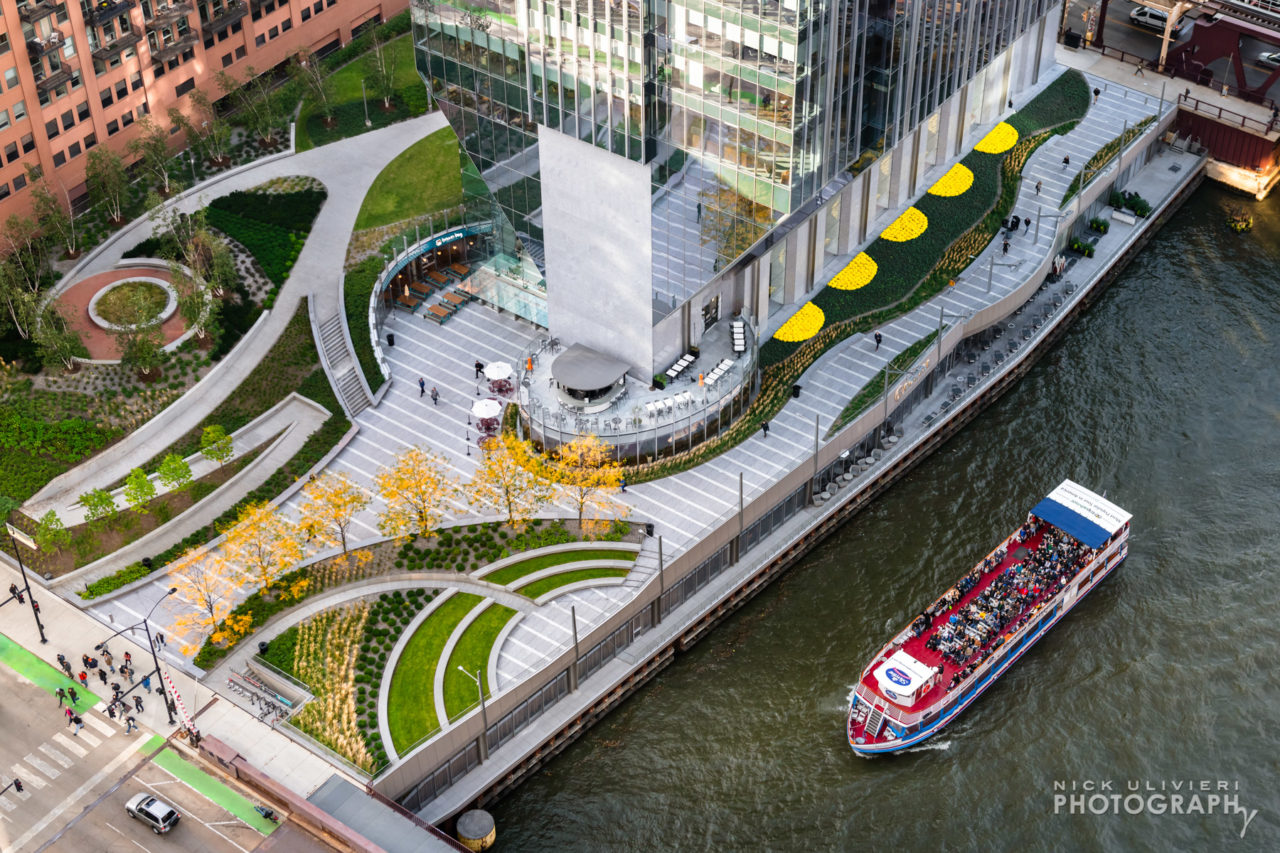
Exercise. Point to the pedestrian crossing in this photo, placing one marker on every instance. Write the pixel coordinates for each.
(57, 755)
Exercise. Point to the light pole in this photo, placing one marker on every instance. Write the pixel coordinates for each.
(365, 99)
(992, 263)
(191, 158)
(942, 315)
(16, 535)
(146, 625)
(484, 715)
(1040, 215)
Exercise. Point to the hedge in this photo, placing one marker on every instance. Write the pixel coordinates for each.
(357, 289)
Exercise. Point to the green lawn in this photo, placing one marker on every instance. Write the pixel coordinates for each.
(472, 654)
(423, 179)
(346, 93)
(518, 570)
(541, 587)
(411, 707)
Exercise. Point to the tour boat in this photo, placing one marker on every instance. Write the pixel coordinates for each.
(959, 645)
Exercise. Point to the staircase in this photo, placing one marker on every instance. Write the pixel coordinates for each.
(875, 722)
(342, 366)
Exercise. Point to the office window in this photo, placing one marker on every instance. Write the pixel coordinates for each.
(69, 48)
(4, 43)
(144, 109)
(136, 81)
(19, 110)
(227, 60)
(273, 32)
(107, 98)
(208, 42)
(122, 89)
(306, 13)
(4, 119)
(4, 190)
(259, 41)
(184, 87)
(59, 159)
(76, 80)
(10, 78)
(90, 141)
(238, 26)
(329, 4)
(60, 12)
(51, 128)
(11, 152)
(242, 52)
(113, 127)
(222, 36)
(73, 150)
(286, 25)
(158, 71)
(256, 14)
(82, 110)
(28, 143)
(68, 120)
(19, 181)
(318, 6)
(126, 119)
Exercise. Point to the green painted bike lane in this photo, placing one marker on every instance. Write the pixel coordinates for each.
(43, 675)
(209, 787)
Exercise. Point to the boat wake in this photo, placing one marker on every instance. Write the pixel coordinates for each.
(943, 745)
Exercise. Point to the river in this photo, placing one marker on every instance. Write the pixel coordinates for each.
(1167, 396)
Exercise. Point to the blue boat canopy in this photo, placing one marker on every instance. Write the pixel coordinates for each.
(1078, 512)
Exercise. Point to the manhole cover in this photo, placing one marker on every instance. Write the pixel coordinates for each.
(1176, 167)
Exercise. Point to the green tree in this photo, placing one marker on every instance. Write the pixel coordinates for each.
(207, 132)
(174, 472)
(151, 147)
(99, 505)
(262, 113)
(56, 339)
(140, 341)
(138, 490)
(108, 181)
(215, 444)
(315, 80)
(381, 67)
(51, 535)
(53, 210)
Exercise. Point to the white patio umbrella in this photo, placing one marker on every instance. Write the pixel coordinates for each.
(486, 409)
(498, 370)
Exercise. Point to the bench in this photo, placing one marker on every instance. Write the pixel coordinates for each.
(439, 278)
(457, 300)
(462, 270)
(407, 301)
(438, 313)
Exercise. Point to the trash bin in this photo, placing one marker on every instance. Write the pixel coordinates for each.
(391, 339)
(795, 390)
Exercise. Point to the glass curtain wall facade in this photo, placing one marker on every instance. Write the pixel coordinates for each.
(743, 109)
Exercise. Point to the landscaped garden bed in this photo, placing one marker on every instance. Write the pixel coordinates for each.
(515, 571)
(117, 305)
(272, 226)
(471, 653)
(537, 589)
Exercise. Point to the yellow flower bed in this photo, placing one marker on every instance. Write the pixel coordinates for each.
(910, 225)
(804, 324)
(1001, 138)
(857, 274)
(955, 182)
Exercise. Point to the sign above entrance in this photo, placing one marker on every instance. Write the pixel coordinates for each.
(454, 234)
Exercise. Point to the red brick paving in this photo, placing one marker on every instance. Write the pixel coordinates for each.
(97, 340)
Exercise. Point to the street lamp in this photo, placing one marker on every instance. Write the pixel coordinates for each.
(992, 263)
(365, 99)
(191, 158)
(146, 625)
(484, 715)
(16, 535)
(943, 313)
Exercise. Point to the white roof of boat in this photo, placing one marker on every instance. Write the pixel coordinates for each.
(1084, 514)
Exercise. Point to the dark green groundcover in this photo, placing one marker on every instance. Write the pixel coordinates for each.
(903, 266)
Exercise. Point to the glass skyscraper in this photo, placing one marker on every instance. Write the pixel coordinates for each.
(749, 124)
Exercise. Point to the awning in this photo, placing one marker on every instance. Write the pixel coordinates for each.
(583, 369)
(1078, 512)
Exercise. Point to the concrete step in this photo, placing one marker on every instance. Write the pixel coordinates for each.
(352, 392)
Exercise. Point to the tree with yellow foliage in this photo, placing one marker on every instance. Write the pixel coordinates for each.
(509, 481)
(263, 543)
(587, 476)
(417, 488)
(207, 581)
(330, 503)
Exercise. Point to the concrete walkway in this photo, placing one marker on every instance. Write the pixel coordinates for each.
(347, 169)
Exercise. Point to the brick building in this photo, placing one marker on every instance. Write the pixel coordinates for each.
(81, 73)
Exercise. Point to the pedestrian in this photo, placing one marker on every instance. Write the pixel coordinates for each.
(111, 710)
(435, 396)
(1066, 161)
(68, 713)
(128, 658)
(106, 658)
(75, 698)
(159, 639)
(62, 695)
(102, 674)
(137, 704)
(79, 724)
(1006, 246)
(479, 368)
(1039, 184)
(1138, 72)
(66, 667)
(146, 683)
(130, 724)
(115, 689)
(1026, 225)
(879, 340)
(84, 679)
(765, 426)
(84, 659)
(16, 593)
(1096, 93)
(422, 387)
(699, 211)
(623, 484)
(128, 671)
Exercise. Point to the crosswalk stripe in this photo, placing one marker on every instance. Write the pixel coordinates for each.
(5, 780)
(73, 748)
(27, 779)
(100, 724)
(55, 755)
(89, 740)
(41, 765)
(7, 805)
